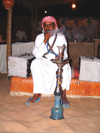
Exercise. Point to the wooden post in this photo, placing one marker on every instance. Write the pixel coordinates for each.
(9, 46)
(96, 43)
(36, 12)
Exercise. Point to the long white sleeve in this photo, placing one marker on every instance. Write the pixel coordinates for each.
(40, 47)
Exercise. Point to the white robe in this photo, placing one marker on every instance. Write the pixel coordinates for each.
(44, 71)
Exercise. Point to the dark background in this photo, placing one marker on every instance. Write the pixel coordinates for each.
(21, 15)
(85, 8)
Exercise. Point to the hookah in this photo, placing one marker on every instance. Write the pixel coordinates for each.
(57, 109)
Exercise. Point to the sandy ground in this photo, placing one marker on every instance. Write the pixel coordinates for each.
(83, 115)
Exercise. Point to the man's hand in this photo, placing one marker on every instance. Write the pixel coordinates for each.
(47, 36)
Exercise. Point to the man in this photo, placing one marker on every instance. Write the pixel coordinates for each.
(21, 35)
(42, 68)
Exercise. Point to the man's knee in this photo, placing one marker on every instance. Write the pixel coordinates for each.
(35, 63)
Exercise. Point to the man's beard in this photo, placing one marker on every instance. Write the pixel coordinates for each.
(52, 32)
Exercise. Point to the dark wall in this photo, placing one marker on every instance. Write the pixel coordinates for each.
(3, 27)
(25, 23)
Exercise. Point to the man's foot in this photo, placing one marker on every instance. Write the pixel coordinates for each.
(65, 101)
(36, 96)
(33, 99)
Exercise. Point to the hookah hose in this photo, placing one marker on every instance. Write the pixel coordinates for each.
(50, 51)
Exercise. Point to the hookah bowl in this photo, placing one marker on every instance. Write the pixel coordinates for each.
(57, 110)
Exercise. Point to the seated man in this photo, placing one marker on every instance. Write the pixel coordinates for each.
(42, 68)
(21, 35)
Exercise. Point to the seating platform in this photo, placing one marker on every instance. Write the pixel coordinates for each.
(23, 86)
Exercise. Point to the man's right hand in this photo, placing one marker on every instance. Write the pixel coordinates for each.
(47, 36)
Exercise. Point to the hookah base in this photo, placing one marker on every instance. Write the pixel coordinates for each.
(57, 113)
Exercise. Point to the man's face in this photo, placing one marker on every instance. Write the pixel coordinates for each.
(49, 26)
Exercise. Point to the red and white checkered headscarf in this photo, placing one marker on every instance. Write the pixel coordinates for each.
(49, 19)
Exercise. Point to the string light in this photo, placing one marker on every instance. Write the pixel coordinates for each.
(73, 5)
(45, 11)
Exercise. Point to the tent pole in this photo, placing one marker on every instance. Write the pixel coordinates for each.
(9, 46)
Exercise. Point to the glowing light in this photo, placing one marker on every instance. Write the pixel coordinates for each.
(73, 6)
(45, 11)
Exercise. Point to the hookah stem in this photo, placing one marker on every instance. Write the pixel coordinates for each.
(50, 51)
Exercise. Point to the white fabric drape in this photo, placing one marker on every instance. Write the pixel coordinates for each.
(17, 48)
